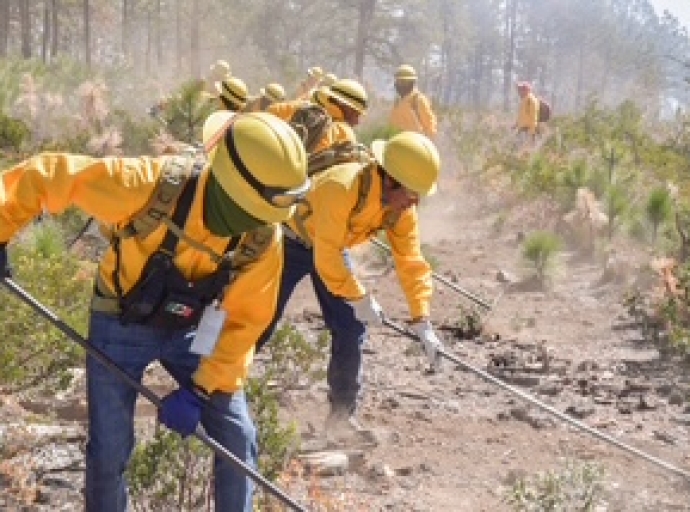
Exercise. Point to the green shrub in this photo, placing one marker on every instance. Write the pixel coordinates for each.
(13, 133)
(659, 208)
(170, 473)
(371, 132)
(539, 250)
(616, 206)
(277, 442)
(33, 352)
(293, 358)
(576, 487)
(185, 112)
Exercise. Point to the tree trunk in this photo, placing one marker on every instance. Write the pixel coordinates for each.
(125, 28)
(149, 41)
(87, 33)
(45, 37)
(509, 58)
(178, 35)
(4, 27)
(159, 34)
(194, 57)
(55, 26)
(580, 78)
(25, 21)
(366, 14)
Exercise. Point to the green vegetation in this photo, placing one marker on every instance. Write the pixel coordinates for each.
(33, 353)
(577, 487)
(539, 250)
(170, 473)
(659, 208)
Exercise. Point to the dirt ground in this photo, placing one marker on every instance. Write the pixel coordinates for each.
(452, 441)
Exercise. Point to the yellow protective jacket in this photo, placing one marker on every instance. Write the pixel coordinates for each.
(337, 131)
(331, 226)
(528, 114)
(413, 113)
(112, 190)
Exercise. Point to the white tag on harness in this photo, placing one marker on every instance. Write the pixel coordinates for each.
(208, 331)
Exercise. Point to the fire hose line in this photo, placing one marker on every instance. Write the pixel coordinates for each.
(102, 358)
(545, 407)
(445, 281)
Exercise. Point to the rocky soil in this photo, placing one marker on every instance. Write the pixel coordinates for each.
(452, 441)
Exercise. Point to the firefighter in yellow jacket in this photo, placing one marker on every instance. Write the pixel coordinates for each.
(231, 93)
(144, 311)
(268, 95)
(411, 109)
(528, 112)
(345, 102)
(347, 205)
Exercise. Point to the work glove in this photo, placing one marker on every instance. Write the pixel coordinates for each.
(181, 411)
(4, 262)
(367, 310)
(432, 343)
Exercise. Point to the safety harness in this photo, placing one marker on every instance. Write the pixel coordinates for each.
(163, 296)
(310, 121)
(365, 176)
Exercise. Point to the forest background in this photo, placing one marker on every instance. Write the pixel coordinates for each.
(468, 52)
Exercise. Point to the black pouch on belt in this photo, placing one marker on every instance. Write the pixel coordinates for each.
(163, 297)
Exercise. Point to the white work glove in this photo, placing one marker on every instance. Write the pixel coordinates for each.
(367, 310)
(432, 343)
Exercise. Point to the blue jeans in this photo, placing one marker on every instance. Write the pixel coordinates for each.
(111, 413)
(344, 373)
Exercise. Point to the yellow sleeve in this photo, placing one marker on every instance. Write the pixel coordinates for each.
(427, 118)
(414, 273)
(332, 204)
(109, 189)
(337, 131)
(250, 303)
(284, 109)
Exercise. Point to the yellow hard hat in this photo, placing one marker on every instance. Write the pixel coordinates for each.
(315, 72)
(233, 91)
(320, 96)
(273, 92)
(350, 92)
(328, 79)
(405, 72)
(259, 161)
(411, 159)
(219, 70)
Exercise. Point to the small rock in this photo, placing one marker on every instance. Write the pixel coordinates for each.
(665, 437)
(405, 471)
(648, 403)
(504, 277)
(677, 398)
(381, 470)
(327, 463)
(683, 420)
(550, 388)
(580, 411)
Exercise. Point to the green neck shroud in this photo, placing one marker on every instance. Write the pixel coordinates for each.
(223, 216)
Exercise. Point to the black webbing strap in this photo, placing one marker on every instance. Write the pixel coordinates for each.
(167, 246)
(179, 218)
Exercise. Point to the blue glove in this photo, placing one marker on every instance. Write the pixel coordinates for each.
(181, 411)
(4, 262)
